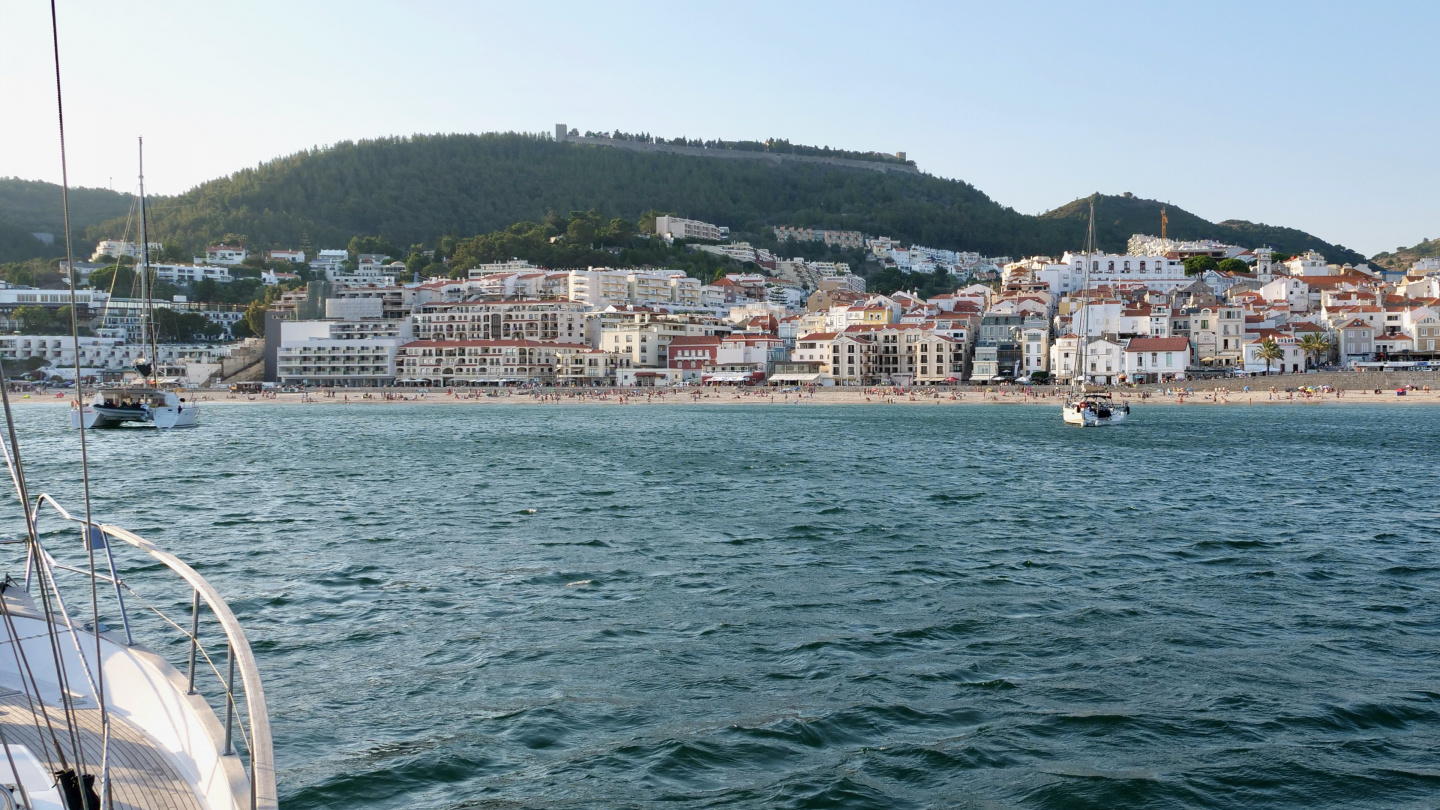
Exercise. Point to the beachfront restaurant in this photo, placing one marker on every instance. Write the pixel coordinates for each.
(799, 373)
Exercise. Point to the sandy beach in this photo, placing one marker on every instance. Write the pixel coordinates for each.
(746, 396)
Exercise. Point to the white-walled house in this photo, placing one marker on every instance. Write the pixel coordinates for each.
(1104, 361)
(1293, 361)
(228, 255)
(1291, 289)
(1157, 359)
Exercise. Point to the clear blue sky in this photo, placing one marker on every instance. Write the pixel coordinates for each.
(1315, 115)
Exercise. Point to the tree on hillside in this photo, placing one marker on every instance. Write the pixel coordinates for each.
(413, 188)
(1232, 266)
(372, 244)
(117, 278)
(255, 318)
(1195, 265)
(172, 326)
(646, 224)
(580, 232)
(205, 289)
(39, 321)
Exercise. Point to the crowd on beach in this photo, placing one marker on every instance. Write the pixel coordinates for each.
(837, 395)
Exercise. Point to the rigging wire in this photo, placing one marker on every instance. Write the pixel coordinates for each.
(80, 418)
(22, 664)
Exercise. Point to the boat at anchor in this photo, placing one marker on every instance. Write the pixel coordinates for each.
(117, 406)
(1089, 405)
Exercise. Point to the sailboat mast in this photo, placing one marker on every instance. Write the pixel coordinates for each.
(1083, 332)
(147, 323)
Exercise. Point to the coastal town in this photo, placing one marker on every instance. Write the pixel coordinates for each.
(1164, 311)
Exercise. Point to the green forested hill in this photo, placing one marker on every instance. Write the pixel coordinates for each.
(415, 190)
(1117, 218)
(1401, 258)
(29, 206)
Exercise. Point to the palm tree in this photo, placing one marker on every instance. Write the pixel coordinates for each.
(1315, 343)
(1270, 352)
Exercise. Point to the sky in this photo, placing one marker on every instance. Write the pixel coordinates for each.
(1313, 115)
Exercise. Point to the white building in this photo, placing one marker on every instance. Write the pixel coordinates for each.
(115, 249)
(341, 353)
(677, 228)
(292, 256)
(1308, 263)
(604, 287)
(1104, 361)
(1156, 359)
(228, 255)
(191, 273)
(1291, 289)
(270, 278)
(382, 275)
(549, 321)
(1291, 362)
(1125, 272)
(845, 239)
(103, 353)
(477, 362)
(330, 262)
(512, 266)
(1143, 245)
(21, 296)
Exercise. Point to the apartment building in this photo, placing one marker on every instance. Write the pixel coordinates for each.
(117, 248)
(340, 353)
(940, 359)
(191, 273)
(550, 321)
(679, 228)
(477, 362)
(647, 341)
(582, 365)
(692, 354)
(1218, 334)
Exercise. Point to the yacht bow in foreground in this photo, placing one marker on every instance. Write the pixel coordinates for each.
(97, 720)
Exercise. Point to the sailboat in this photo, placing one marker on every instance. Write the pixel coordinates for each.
(148, 403)
(1089, 405)
(90, 718)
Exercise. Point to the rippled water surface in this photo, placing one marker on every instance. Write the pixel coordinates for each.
(878, 606)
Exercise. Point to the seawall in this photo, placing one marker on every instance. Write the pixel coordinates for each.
(1349, 380)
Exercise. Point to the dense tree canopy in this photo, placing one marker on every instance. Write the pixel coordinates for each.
(1195, 265)
(419, 190)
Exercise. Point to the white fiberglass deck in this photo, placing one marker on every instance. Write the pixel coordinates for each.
(142, 776)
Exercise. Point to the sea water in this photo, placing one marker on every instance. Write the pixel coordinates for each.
(506, 605)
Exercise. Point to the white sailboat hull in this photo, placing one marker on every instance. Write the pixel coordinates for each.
(164, 417)
(183, 417)
(1090, 418)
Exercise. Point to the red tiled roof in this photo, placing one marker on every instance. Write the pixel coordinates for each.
(1158, 344)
